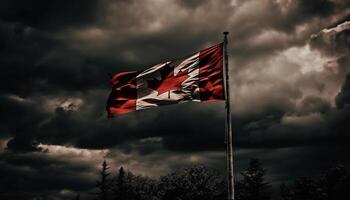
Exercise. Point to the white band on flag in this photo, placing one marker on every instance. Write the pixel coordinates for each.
(189, 90)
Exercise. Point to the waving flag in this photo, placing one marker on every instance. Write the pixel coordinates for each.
(198, 77)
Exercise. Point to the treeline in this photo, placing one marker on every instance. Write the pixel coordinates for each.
(202, 183)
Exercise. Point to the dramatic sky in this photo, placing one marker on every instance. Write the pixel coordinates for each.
(289, 65)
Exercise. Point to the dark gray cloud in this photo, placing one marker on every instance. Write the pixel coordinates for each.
(34, 174)
(343, 98)
(49, 15)
(289, 65)
(20, 118)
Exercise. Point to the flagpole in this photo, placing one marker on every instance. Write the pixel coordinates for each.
(228, 125)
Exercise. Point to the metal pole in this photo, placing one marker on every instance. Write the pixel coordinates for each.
(230, 176)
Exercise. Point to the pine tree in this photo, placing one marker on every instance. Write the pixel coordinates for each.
(103, 185)
(123, 187)
(253, 186)
(119, 189)
(127, 186)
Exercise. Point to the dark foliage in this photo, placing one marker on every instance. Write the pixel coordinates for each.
(104, 184)
(253, 186)
(328, 186)
(201, 183)
(128, 186)
(195, 183)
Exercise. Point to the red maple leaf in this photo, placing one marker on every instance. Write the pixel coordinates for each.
(168, 80)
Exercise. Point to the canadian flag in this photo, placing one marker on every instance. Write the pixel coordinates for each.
(198, 77)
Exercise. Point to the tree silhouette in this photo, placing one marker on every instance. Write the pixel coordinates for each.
(326, 186)
(130, 187)
(253, 186)
(103, 185)
(332, 179)
(145, 188)
(122, 188)
(201, 183)
(285, 192)
(305, 188)
(194, 183)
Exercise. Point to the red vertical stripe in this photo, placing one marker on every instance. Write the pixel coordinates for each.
(211, 83)
(124, 93)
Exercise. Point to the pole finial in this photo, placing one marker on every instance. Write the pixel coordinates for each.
(226, 33)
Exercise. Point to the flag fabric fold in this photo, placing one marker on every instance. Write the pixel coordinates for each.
(198, 77)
